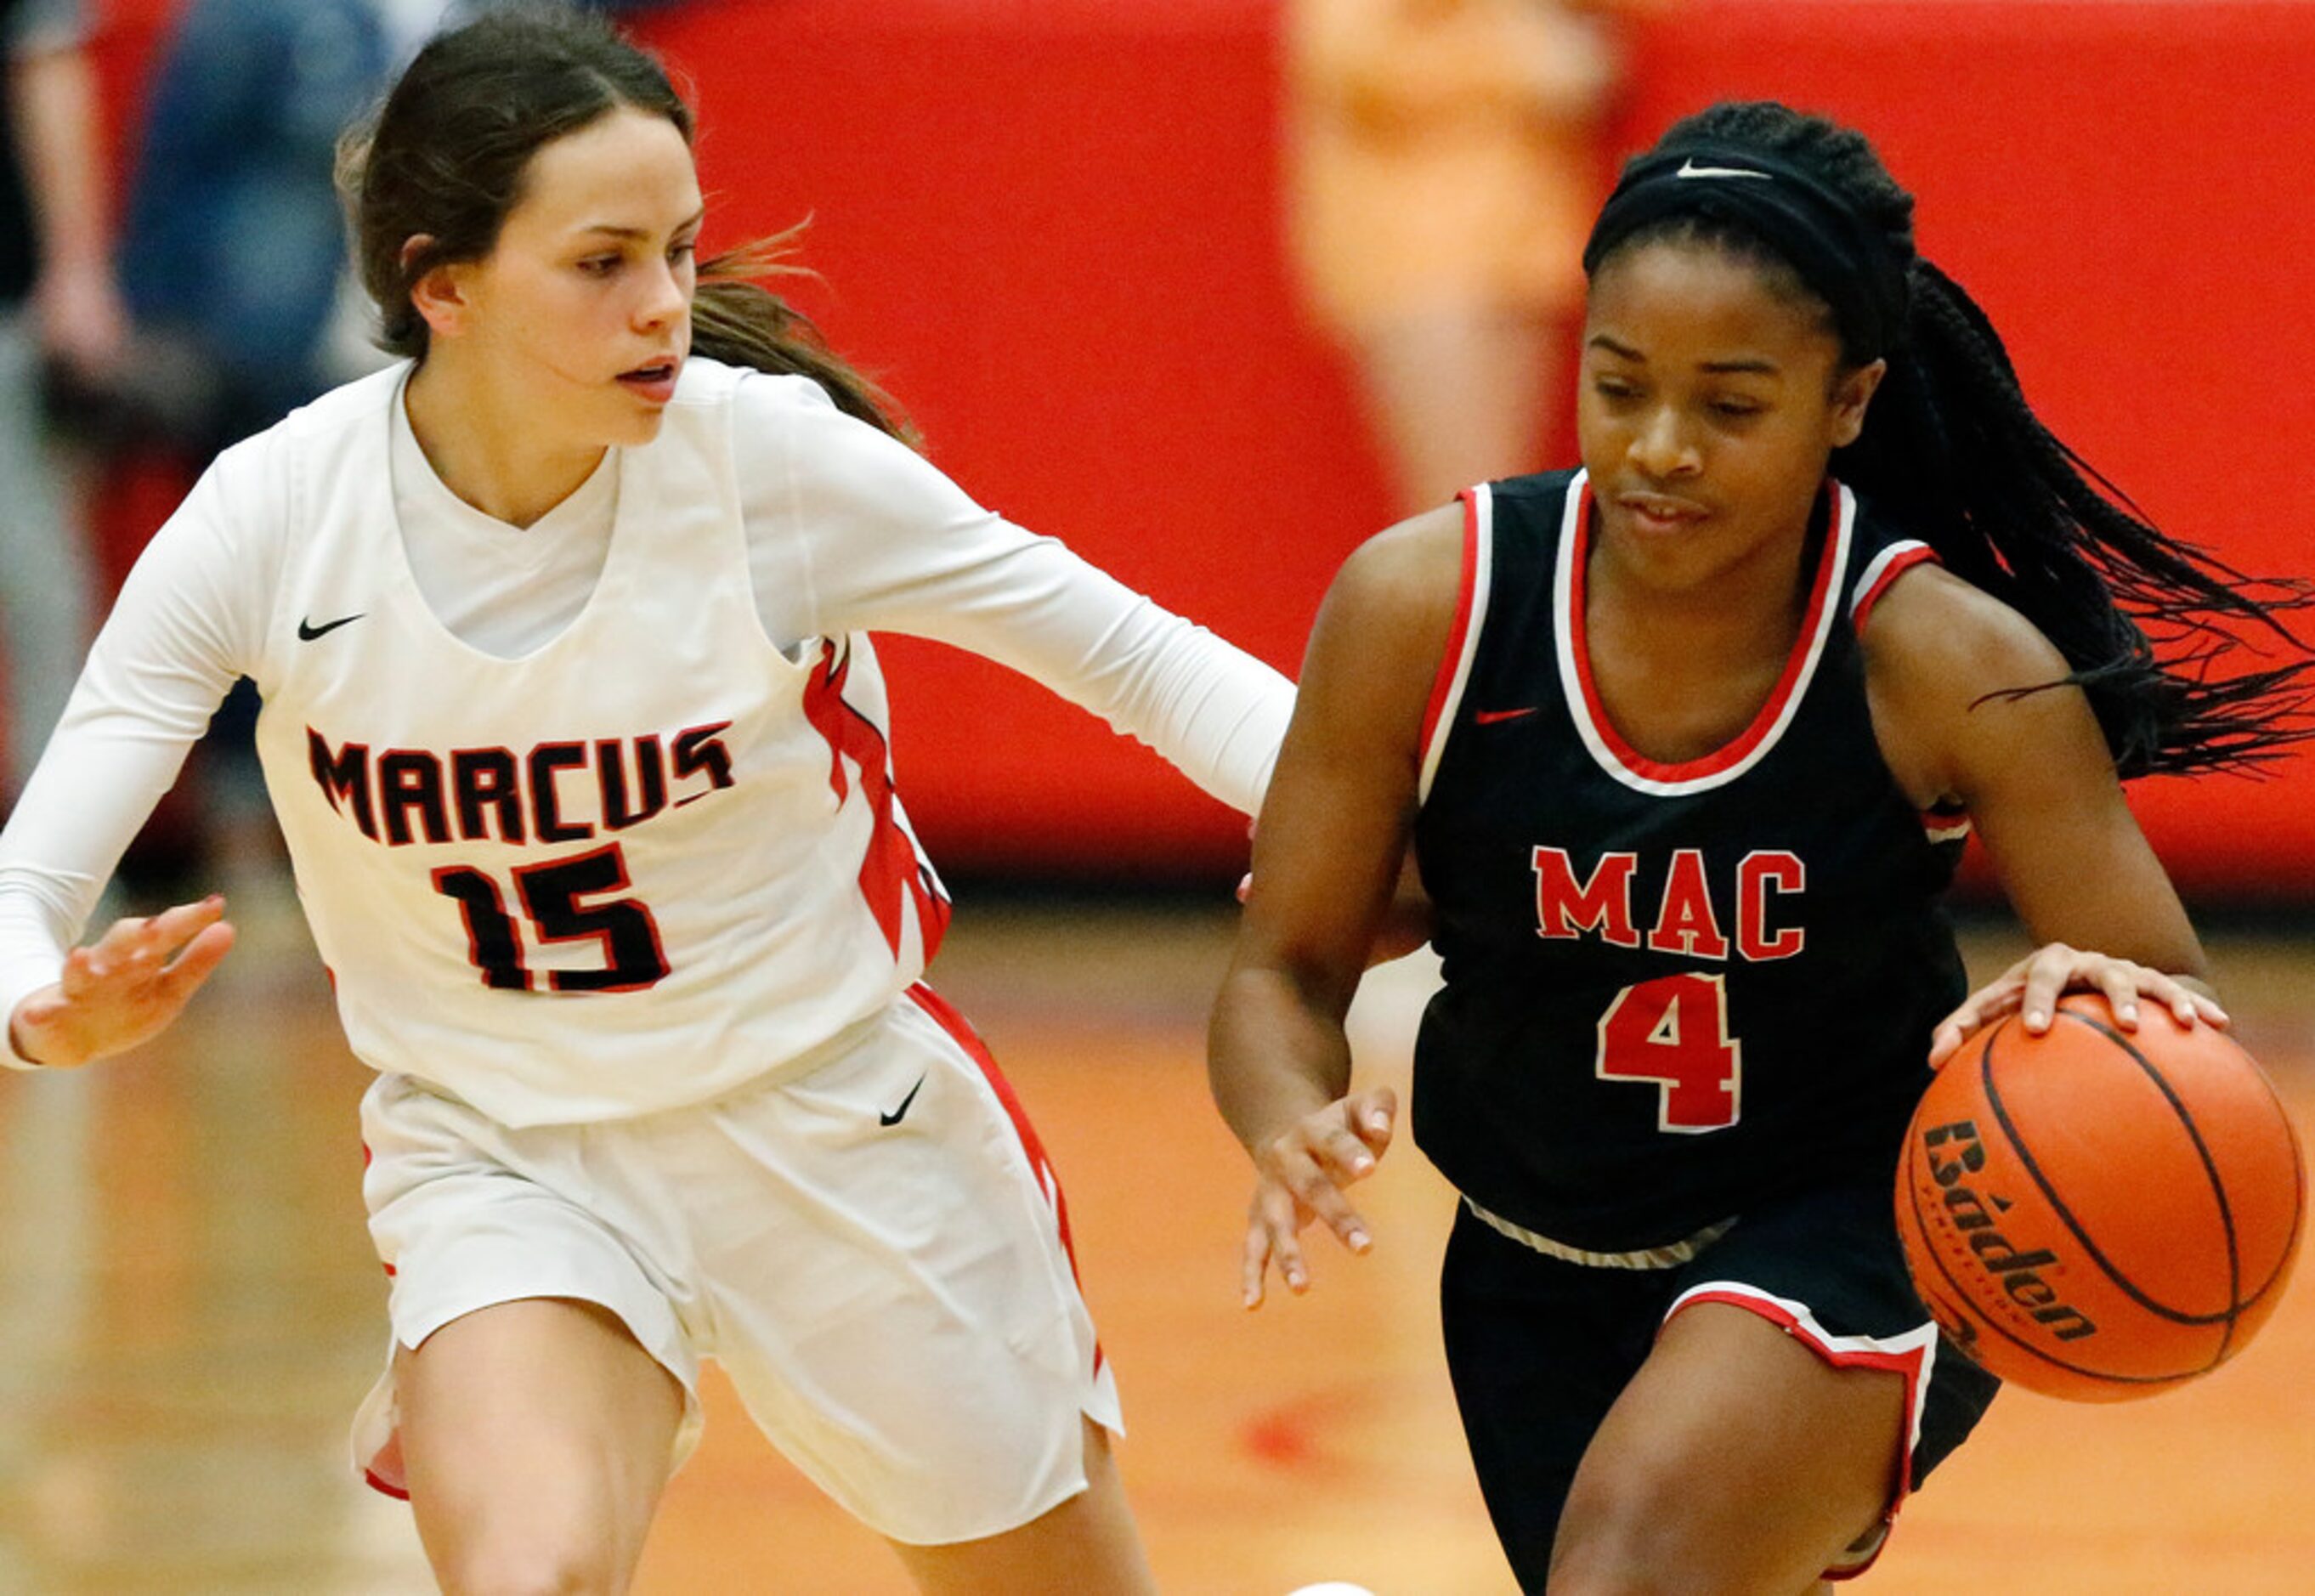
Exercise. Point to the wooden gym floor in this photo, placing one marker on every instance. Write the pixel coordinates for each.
(189, 1312)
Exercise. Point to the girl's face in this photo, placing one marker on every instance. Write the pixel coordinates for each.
(583, 307)
(1709, 403)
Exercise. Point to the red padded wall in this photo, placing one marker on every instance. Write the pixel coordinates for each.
(1050, 227)
(2116, 184)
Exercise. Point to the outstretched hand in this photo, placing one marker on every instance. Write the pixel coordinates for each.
(1302, 1175)
(2031, 986)
(124, 987)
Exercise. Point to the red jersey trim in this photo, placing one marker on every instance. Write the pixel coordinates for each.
(1911, 1355)
(1463, 637)
(1881, 571)
(1617, 756)
(1940, 824)
(895, 876)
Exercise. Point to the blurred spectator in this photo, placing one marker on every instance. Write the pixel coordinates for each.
(233, 246)
(1444, 166)
(58, 313)
(233, 254)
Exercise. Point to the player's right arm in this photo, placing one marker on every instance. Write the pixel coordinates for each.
(1334, 832)
(123, 989)
(186, 624)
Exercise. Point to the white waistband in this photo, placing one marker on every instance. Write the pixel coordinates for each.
(1670, 1256)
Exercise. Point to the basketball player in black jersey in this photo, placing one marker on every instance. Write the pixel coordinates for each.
(1685, 743)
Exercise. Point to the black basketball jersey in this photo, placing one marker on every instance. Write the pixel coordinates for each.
(1671, 991)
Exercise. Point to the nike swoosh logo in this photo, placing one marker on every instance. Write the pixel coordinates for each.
(901, 1113)
(1689, 168)
(1489, 717)
(308, 631)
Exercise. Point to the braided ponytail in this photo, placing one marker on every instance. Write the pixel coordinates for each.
(2150, 624)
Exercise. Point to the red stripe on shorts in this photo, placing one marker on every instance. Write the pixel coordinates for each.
(961, 1032)
(1907, 1364)
(385, 1473)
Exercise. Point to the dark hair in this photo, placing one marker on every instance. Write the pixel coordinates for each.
(444, 158)
(1952, 451)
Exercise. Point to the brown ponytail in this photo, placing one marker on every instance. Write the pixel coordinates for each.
(737, 320)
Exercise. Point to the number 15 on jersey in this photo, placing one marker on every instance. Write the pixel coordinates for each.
(551, 896)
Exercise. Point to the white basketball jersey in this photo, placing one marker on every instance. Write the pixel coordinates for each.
(650, 862)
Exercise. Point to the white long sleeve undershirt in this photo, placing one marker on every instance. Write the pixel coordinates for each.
(848, 530)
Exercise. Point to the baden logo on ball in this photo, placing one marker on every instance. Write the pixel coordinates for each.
(1954, 1153)
(2096, 1213)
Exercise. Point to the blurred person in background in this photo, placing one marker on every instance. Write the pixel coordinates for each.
(233, 246)
(59, 315)
(61, 327)
(1444, 163)
(233, 254)
(233, 262)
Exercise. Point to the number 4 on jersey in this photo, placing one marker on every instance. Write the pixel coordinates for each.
(1674, 1031)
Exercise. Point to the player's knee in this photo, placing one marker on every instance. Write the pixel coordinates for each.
(526, 1564)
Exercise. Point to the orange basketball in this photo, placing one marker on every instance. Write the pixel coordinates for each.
(2100, 1214)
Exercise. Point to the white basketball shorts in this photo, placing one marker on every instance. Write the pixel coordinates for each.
(876, 1251)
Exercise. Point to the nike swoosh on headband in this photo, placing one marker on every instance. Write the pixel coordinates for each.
(1689, 168)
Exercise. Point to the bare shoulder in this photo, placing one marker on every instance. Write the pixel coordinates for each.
(1934, 637)
(1381, 636)
(1940, 658)
(1408, 576)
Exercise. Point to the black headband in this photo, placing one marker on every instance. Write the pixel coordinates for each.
(1837, 253)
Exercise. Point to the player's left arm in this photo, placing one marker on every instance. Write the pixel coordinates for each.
(2033, 769)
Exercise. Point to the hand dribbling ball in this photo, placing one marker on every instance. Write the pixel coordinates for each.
(2100, 1214)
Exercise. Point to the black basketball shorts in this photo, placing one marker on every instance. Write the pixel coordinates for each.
(1540, 1347)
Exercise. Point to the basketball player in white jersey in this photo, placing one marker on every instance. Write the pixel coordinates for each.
(578, 742)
